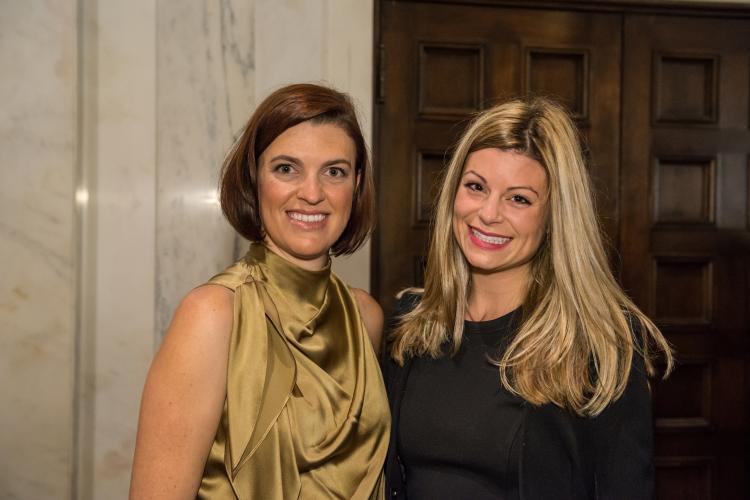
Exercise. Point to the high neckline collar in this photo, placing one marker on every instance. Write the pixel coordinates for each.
(303, 292)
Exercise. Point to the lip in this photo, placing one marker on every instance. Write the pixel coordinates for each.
(486, 244)
(307, 224)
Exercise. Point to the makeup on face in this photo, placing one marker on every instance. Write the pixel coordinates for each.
(499, 212)
(306, 181)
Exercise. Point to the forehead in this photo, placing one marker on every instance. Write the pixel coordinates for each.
(308, 138)
(496, 165)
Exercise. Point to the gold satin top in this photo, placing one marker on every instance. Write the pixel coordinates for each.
(306, 414)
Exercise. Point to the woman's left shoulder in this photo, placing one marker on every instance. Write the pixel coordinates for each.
(372, 315)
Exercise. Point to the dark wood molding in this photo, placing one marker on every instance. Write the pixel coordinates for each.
(377, 56)
(651, 7)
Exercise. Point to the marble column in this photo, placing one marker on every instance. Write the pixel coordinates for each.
(118, 136)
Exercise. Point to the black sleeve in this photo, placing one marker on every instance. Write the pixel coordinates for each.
(395, 377)
(622, 441)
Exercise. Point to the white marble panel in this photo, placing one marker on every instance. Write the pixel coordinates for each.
(38, 52)
(205, 70)
(123, 128)
(289, 42)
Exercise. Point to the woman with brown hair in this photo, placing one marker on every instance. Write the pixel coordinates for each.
(267, 383)
(520, 370)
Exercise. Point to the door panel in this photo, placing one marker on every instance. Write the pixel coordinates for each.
(685, 240)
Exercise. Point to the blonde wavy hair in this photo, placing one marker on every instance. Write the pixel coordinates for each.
(575, 345)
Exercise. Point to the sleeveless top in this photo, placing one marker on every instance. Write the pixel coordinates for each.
(306, 413)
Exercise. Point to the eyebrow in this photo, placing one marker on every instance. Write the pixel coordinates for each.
(523, 187)
(509, 189)
(292, 159)
(473, 172)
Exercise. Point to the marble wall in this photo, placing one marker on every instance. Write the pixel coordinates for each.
(116, 118)
(205, 66)
(38, 140)
(209, 85)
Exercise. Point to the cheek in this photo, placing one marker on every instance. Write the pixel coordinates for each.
(273, 191)
(343, 197)
(263, 184)
(271, 196)
(536, 227)
(465, 208)
(461, 206)
(458, 215)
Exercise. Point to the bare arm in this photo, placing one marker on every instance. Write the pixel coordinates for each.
(183, 397)
(372, 315)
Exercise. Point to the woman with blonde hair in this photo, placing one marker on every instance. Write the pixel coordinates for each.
(520, 370)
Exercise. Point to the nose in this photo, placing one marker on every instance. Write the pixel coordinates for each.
(311, 190)
(491, 211)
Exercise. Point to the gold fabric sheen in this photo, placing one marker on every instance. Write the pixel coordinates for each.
(306, 414)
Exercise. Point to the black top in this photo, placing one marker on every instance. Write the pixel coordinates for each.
(459, 429)
(561, 455)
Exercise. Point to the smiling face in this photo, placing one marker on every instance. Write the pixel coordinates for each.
(306, 182)
(499, 211)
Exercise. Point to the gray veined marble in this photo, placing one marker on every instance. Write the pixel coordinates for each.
(205, 93)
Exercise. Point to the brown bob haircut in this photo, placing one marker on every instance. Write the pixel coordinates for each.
(283, 109)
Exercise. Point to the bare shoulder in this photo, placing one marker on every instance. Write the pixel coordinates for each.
(184, 396)
(200, 328)
(210, 299)
(202, 322)
(207, 305)
(372, 315)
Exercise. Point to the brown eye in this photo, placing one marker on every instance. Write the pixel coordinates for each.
(336, 172)
(283, 168)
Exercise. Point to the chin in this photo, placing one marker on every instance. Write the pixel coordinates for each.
(483, 268)
(480, 264)
(309, 252)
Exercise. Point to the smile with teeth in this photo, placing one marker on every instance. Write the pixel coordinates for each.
(307, 217)
(492, 240)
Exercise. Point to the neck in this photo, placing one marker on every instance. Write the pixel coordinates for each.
(314, 264)
(496, 294)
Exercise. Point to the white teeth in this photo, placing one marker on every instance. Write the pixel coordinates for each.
(307, 218)
(494, 240)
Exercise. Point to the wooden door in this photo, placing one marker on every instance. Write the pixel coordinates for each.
(440, 63)
(685, 238)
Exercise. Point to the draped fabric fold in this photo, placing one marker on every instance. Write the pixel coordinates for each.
(306, 414)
